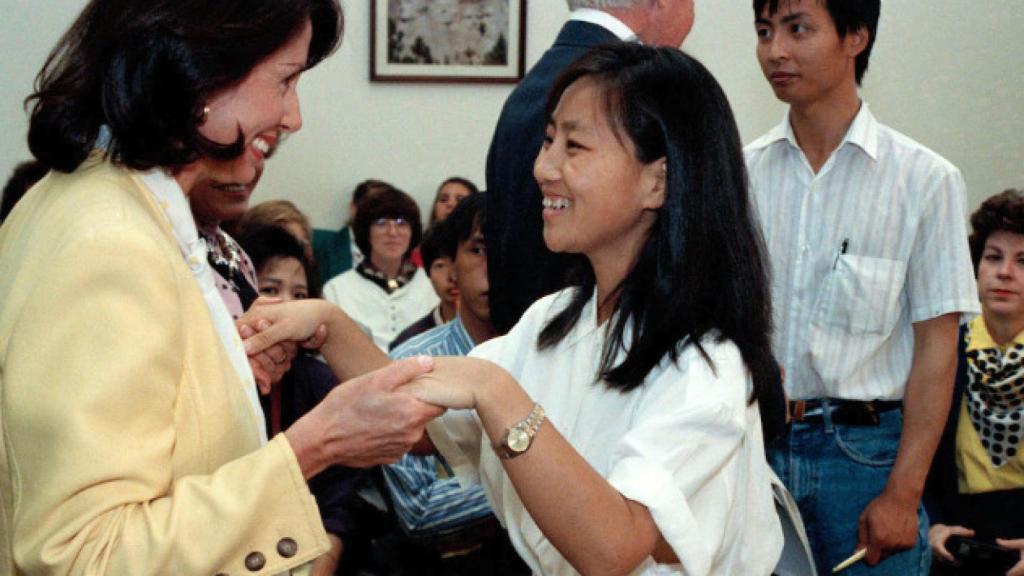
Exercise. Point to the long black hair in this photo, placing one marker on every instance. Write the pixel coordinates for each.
(702, 267)
(145, 69)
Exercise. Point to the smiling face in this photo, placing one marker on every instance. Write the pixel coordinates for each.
(283, 277)
(264, 106)
(1001, 276)
(802, 55)
(599, 200)
(213, 202)
(448, 197)
(389, 241)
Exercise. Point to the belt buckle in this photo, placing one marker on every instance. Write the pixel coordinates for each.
(856, 414)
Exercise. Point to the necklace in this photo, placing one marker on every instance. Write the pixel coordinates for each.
(222, 249)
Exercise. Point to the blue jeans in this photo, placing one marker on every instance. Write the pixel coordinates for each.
(833, 472)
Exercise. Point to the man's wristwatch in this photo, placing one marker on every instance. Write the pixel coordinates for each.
(519, 438)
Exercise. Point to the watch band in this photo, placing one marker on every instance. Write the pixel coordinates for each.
(518, 438)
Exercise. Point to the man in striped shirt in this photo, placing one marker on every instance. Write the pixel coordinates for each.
(867, 236)
(432, 507)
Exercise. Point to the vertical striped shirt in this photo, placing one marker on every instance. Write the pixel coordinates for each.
(428, 498)
(872, 243)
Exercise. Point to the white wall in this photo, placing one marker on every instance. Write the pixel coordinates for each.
(949, 73)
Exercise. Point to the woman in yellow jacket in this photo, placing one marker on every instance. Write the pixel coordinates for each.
(132, 438)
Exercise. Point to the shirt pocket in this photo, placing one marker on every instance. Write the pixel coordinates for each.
(855, 312)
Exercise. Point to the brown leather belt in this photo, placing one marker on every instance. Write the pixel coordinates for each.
(844, 412)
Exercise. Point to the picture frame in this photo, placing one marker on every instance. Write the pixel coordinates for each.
(460, 41)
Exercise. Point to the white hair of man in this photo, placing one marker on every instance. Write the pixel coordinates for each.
(602, 4)
(654, 22)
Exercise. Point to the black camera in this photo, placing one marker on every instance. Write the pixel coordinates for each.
(979, 558)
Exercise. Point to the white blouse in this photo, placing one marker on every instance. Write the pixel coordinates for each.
(685, 444)
(386, 315)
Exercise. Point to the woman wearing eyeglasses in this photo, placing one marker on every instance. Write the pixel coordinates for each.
(386, 292)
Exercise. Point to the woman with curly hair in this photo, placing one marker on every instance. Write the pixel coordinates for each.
(976, 486)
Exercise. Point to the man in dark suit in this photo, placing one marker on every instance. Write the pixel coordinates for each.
(520, 267)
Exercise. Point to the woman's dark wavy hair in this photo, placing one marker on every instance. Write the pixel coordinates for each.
(702, 267)
(1004, 211)
(146, 68)
(386, 203)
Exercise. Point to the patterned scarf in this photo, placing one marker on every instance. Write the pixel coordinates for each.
(225, 256)
(389, 285)
(995, 392)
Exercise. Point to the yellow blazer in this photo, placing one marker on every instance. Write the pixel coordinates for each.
(128, 445)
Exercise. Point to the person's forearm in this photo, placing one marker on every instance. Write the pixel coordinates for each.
(348, 351)
(926, 403)
(307, 444)
(561, 491)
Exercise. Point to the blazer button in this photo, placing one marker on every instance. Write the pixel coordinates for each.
(287, 547)
(255, 561)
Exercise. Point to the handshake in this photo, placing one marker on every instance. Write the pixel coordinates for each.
(379, 411)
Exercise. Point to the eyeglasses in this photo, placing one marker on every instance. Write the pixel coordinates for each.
(387, 223)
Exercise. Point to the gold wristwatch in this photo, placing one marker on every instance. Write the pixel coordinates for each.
(519, 438)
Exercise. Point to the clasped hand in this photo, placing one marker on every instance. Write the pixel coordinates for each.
(458, 383)
(377, 417)
(364, 421)
(271, 331)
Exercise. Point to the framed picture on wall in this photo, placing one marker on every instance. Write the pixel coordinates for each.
(447, 40)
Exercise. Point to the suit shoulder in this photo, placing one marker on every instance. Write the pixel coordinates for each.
(96, 204)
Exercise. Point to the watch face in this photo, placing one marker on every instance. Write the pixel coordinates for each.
(518, 440)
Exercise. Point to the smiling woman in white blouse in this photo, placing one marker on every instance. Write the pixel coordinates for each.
(616, 428)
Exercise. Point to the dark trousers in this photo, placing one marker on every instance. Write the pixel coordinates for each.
(398, 555)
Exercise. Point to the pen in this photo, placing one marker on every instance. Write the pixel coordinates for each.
(842, 250)
(857, 557)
